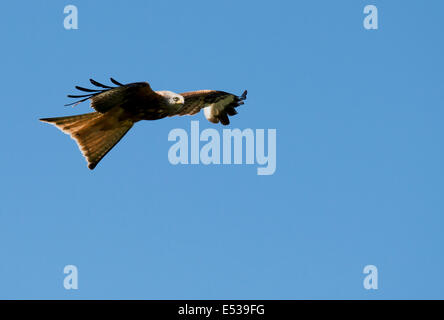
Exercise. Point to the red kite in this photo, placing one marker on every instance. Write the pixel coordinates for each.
(118, 108)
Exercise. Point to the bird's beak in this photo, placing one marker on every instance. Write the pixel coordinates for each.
(181, 105)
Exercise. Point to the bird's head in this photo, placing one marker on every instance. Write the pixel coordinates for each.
(171, 98)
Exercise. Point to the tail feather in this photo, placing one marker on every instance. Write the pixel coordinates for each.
(95, 133)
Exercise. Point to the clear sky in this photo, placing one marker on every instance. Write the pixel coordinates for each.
(359, 178)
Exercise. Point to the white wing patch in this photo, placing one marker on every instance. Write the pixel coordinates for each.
(213, 110)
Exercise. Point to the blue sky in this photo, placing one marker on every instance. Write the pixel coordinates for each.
(359, 176)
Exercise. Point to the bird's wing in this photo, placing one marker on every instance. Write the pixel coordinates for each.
(217, 105)
(131, 96)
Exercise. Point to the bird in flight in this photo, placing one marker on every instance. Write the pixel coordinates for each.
(118, 108)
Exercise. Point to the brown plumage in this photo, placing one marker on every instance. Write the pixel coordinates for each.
(118, 108)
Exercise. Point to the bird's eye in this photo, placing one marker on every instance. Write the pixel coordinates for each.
(176, 99)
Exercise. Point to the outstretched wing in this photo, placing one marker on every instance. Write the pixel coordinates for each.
(217, 105)
(131, 97)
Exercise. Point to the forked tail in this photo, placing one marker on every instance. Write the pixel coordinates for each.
(95, 133)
